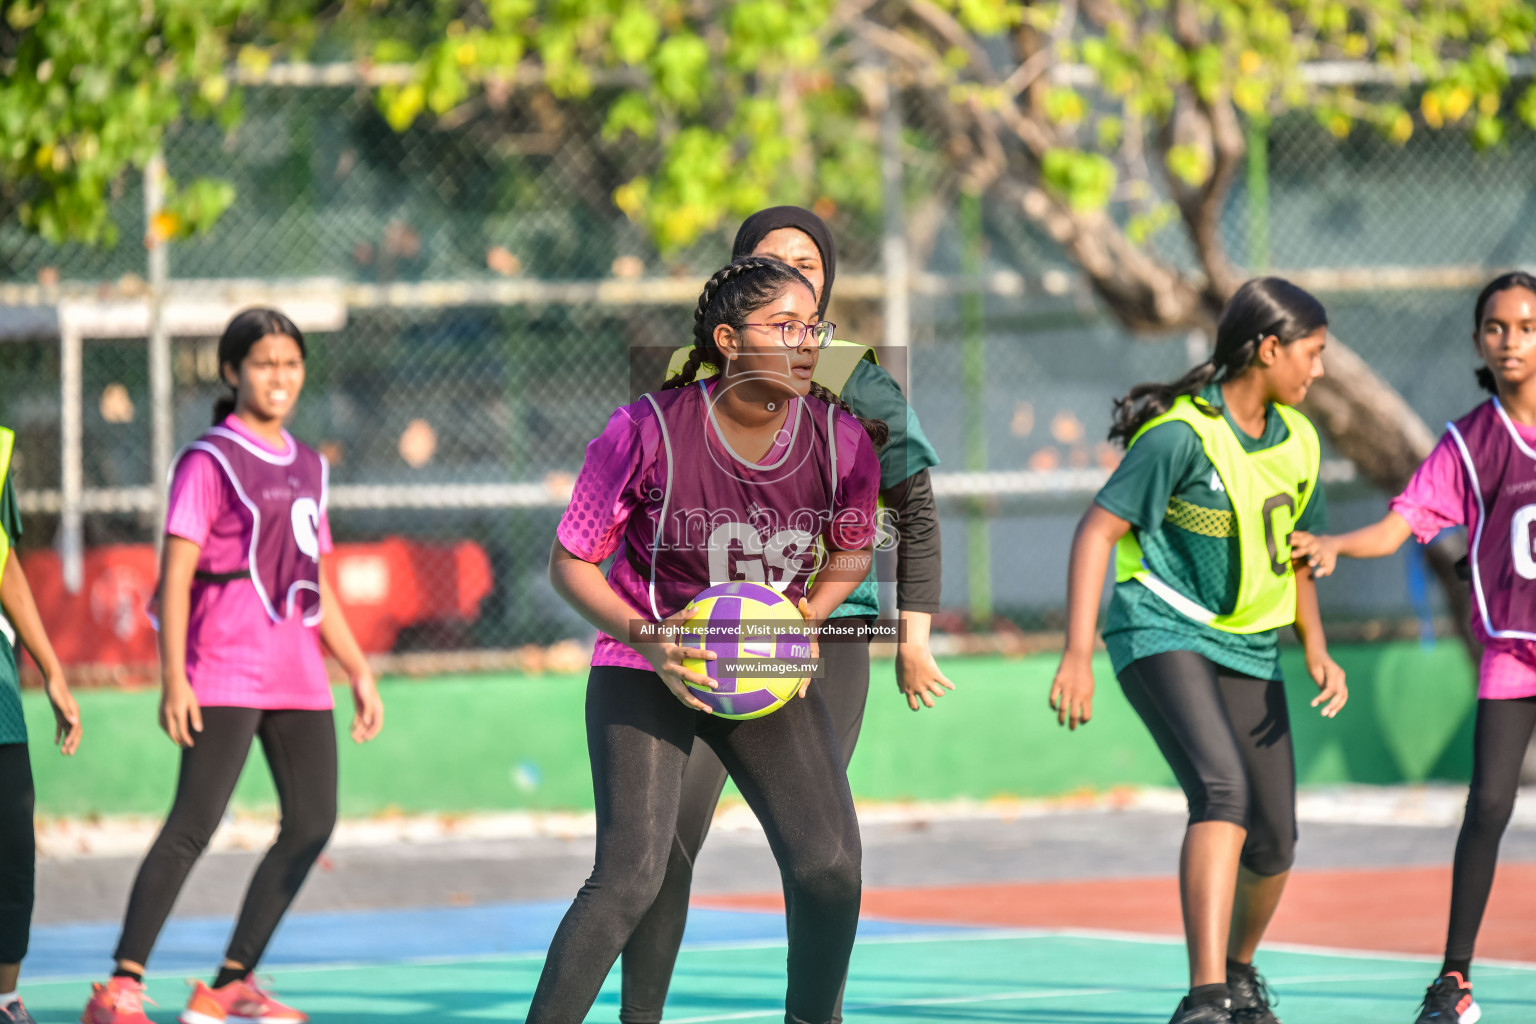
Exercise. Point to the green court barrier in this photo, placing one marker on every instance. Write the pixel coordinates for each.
(504, 742)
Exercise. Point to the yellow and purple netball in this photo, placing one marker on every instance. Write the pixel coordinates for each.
(758, 637)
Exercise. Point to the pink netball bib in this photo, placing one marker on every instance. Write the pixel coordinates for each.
(719, 517)
(282, 496)
(1502, 470)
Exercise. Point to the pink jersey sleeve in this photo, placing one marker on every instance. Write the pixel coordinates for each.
(325, 532)
(858, 487)
(1436, 497)
(607, 489)
(197, 497)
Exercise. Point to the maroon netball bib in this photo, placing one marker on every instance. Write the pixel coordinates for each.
(1501, 468)
(718, 517)
(282, 497)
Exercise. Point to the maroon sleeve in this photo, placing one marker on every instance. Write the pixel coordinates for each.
(858, 487)
(607, 489)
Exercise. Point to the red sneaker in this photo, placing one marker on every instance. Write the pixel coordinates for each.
(240, 1002)
(119, 1001)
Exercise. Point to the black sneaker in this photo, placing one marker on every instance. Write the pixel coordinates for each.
(1251, 998)
(1449, 1001)
(15, 1013)
(1187, 1014)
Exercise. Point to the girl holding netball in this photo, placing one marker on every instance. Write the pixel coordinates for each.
(1482, 475)
(800, 238)
(243, 608)
(682, 486)
(18, 842)
(1219, 469)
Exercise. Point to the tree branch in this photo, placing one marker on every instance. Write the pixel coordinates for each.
(952, 32)
(1219, 133)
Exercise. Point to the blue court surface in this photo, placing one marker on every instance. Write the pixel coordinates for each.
(481, 963)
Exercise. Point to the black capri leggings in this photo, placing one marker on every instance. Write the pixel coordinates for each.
(651, 953)
(301, 750)
(790, 770)
(18, 852)
(1500, 739)
(1227, 737)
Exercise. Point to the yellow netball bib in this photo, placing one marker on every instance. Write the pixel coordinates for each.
(1268, 489)
(7, 445)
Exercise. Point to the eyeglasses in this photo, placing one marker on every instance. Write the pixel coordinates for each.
(793, 332)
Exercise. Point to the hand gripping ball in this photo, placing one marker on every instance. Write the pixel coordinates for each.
(757, 635)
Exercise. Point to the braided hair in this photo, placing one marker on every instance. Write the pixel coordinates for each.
(1262, 307)
(736, 291)
(1502, 283)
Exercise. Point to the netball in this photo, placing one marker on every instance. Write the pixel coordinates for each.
(738, 622)
(731, 511)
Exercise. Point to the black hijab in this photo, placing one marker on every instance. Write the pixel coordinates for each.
(758, 226)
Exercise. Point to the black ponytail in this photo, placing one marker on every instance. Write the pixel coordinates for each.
(1502, 283)
(1262, 307)
(244, 331)
(879, 433)
(1146, 402)
(736, 291)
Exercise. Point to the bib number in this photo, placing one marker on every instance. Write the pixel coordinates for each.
(738, 552)
(1278, 565)
(1522, 541)
(306, 526)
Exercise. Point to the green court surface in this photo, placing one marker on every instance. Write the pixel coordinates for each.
(951, 976)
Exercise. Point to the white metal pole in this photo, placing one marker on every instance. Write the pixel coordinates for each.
(893, 249)
(71, 546)
(160, 394)
(894, 263)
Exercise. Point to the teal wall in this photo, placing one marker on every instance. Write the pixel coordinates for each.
(500, 742)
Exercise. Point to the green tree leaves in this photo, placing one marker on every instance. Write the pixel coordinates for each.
(90, 89)
(754, 100)
(1084, 180)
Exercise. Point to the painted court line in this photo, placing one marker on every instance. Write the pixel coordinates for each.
(993, 997)
(950, 934)
(944, 935)
(1283, 947)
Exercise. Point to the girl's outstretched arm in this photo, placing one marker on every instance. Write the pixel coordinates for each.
(1378, 540)
(21, 609)
(1325, 672)
(1072, 690)
(919, 570)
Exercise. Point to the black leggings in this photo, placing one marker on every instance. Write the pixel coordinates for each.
(1502, 734)
(1227, 737)
(18, 852)
(790, 770)
(301, 750)
(652, 950)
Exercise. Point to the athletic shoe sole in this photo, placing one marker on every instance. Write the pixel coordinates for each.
(1471, 1015)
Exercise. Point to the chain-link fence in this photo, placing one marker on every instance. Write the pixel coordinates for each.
(492, 296)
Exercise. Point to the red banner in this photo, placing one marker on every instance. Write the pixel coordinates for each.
(382, 588)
